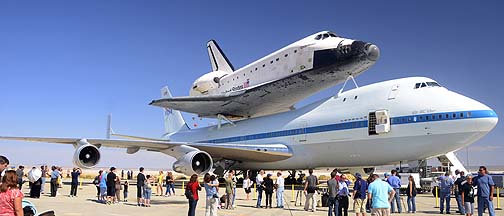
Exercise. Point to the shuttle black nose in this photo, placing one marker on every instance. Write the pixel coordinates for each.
(372, 51)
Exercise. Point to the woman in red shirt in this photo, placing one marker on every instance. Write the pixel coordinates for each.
(10, 195)
(194, 187)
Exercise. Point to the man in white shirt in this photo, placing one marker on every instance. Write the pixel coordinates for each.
(259, 180)
(279, 183)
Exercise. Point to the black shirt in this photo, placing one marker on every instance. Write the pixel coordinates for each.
(459, 183)
(111, 179)
(140, 179)
(268, 185)
(169, 180)
(468, 191)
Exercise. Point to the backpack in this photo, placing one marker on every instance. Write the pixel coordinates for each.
(188, 193)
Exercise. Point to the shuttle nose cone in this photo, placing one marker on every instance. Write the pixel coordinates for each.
(372, 51)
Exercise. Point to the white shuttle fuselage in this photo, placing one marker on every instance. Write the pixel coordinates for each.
(384, 123)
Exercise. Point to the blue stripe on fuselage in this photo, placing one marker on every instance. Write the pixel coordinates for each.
(410, 119)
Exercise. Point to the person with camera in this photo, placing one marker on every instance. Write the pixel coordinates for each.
(212, 197)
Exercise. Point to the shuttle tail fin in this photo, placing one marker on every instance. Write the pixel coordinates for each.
(173, 119)
(218, 60)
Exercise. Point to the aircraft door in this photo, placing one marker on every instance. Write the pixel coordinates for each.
(301, 132)
(393, 92)
(378, 122)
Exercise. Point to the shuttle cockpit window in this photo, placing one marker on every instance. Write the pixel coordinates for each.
(325, 35)
(426, 84)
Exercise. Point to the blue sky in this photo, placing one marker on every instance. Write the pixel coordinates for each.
(65, 65)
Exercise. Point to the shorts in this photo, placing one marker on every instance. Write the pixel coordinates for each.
(359, 205)
(139, 191)
(247, 190)
(469, 207)
(103, 191)
(147, 193)
(380, 212)
(111, 191)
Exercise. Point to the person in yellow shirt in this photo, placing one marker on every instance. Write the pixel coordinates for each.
(159, 186)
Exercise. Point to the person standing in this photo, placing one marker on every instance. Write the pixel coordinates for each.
(310, 189)
(333, 187)
(148, 190)
(247, 184)
(20, 174)
(259, 181)
(125, 191)
(160, 180)
(446, 184)
(140, 186)
(235, 181)
(10, 195)
(55, 174)
(343, 196)
(103, 187)
(170, 184)
(395, 183)
(211, 195)
(411, 192)
(44, 170)
(118, 186)
(96, 182)
(485, 185)
(359, 195)
(111, 190)
(193, 187)
(280, 187)
(380, 193)
(467, 193)
(458, 190)
(35, 182)
(229, 191)
(268, 190)
(75, 181)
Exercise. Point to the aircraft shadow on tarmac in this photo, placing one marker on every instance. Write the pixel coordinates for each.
(286, 208)
(153, 202)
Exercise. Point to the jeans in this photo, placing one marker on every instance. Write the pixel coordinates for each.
(211, 206)
(125, 194)
(147, 193)
(397, 199)
(311, 197)
(192, 207)
(168, 191)
(279, 197)
(259, 196)
(54, 187)
(333, 205)
(484, 201)
(460, 205)
(234, 196)
(411, 204)
(444, 196)
(43, 184)
(73, 189)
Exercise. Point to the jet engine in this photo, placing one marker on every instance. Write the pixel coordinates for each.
(86, 156)
(194, 162)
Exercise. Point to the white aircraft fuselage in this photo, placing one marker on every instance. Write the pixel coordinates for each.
(417, 119)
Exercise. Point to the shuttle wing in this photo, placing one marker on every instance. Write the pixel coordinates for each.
(231, 151)
(264, 99)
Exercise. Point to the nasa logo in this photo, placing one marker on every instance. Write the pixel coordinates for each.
(168, 111)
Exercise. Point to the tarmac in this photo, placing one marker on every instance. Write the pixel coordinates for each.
(86, 204)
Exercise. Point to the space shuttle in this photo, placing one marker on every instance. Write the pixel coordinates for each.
(275, 82)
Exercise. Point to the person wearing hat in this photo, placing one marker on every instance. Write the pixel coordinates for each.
(359, 195)
(445, 185)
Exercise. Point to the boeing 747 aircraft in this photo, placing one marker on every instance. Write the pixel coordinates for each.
(277, 81)
(405, 119)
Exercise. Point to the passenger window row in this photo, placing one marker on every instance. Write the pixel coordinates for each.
(431, 117)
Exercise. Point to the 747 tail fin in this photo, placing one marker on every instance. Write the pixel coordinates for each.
(173, 119)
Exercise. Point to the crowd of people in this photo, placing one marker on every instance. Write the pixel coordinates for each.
(374, 195)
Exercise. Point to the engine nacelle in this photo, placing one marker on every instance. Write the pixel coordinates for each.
(194, 162)
(86, 156)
